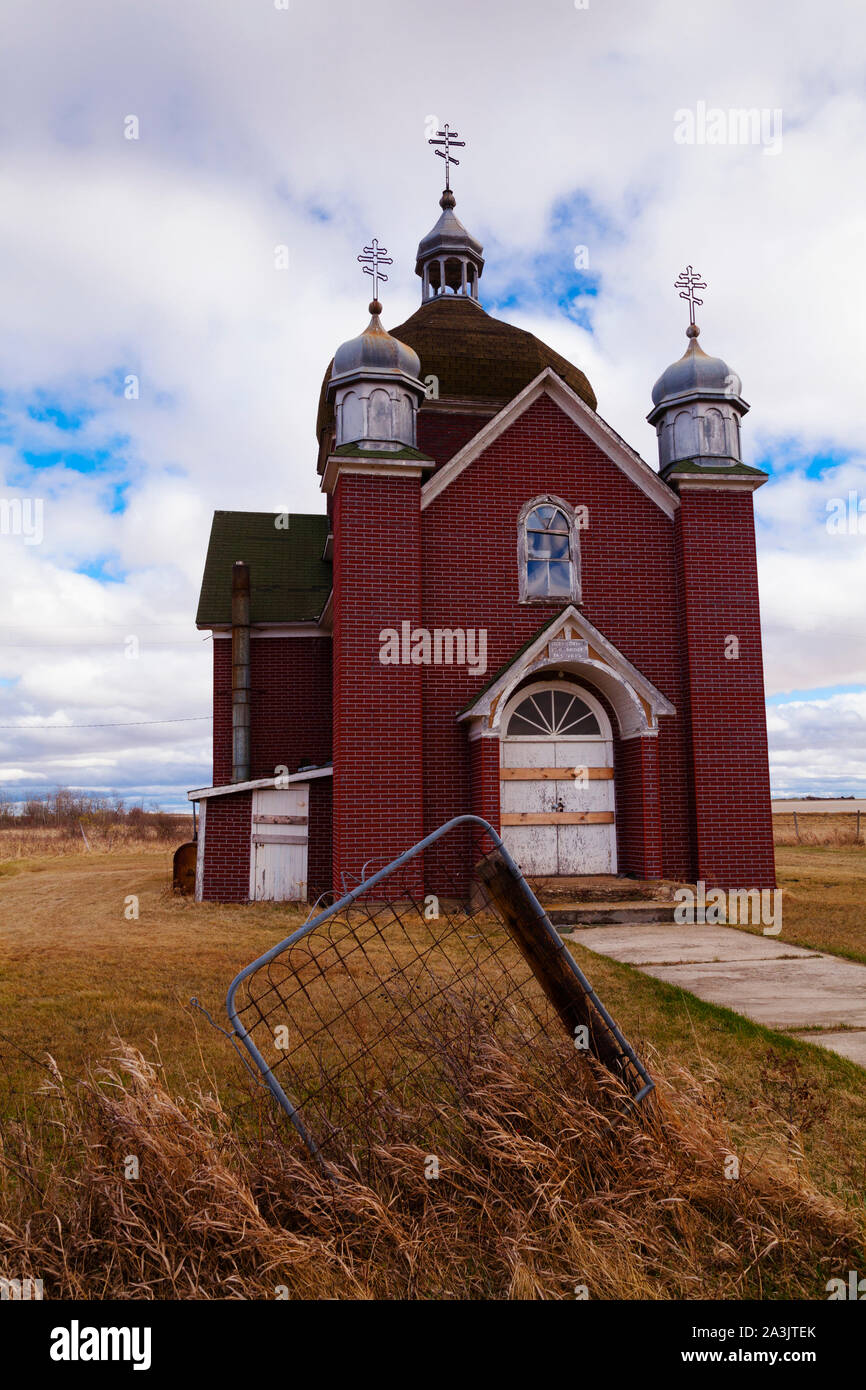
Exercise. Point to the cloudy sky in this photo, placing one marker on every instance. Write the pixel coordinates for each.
(303, 124)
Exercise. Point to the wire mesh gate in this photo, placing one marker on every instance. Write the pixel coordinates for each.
(362, 1015)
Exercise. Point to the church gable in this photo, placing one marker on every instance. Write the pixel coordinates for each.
(592, 427)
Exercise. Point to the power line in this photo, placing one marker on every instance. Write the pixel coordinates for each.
(121, 724)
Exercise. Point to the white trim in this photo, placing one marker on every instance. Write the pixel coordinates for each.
(381, 467)
(548, 499)
(597, 429)
(310, 629)
(717, 482)
(199, 854)
(613, 667)
(202, 793)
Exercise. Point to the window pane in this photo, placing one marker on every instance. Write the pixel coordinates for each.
(580, 720)
(538, 544)
(562, 702)
(518, 725)
(557, 546)
(536, 578)
(542, 516)
(544, 705)
(559, 580)
(559, 522)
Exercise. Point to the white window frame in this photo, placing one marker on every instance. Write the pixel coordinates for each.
(574, 594)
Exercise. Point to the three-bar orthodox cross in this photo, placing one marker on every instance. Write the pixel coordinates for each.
(374, 256)
(689, 281)
(447, 137)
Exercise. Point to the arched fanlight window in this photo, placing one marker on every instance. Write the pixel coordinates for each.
(547, 550)
(552, 714)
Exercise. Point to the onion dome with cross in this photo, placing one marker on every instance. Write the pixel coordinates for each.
(466, 355)
(697, 400)
(374, 381)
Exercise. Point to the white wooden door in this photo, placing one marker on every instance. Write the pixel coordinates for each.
(278, 854)
(556, 782)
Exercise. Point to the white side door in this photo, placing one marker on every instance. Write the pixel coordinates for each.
(278, 853)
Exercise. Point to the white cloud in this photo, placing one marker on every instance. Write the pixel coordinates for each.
(307, 127)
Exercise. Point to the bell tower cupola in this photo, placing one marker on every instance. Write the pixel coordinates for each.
(697, 401)
(449, 260)
(374, 380)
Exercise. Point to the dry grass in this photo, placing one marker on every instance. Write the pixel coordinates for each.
(818, 828)
(547, 1181)
(18, 847)
(824, 901)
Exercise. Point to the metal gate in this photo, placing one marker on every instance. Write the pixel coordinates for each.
(370, 1002)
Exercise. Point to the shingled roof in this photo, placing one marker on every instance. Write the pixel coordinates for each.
(289, 580)
(474, 356)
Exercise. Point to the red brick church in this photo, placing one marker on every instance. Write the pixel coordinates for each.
(502, 608)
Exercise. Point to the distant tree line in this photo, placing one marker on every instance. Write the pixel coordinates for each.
(70, 812)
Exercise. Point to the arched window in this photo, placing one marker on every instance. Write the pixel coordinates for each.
(548, 552)
(553, 713)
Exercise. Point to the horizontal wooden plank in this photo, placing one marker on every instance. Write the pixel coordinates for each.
(279, 820)
(558, 818)
(556, 774)
(279, 839)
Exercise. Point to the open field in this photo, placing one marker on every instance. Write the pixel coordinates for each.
(78, 975)
(824, 903)
(819, 828)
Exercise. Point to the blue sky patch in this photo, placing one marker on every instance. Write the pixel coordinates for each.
(68, 420)
(104, 568)
(823, 692)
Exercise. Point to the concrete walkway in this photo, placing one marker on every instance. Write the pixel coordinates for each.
(819, 998)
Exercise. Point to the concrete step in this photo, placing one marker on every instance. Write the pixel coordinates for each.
(609, 914)
(599, 888)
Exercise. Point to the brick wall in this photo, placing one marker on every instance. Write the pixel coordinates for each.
(665, 594)
(226, 876)
(290, 704)
(630, 590)
(442, 433)
(378, 765)
(638, 821)
(321, 845)
(733, 828)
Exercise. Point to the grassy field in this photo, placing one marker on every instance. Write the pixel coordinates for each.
(80, 973)
(824, 903)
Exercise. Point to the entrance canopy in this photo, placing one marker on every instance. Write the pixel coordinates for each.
(570, 643)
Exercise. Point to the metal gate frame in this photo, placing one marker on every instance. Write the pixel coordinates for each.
(540, 922)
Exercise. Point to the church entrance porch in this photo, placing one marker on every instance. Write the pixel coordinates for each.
(557, 781)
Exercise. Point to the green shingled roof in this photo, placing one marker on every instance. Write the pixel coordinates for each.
(289, 580)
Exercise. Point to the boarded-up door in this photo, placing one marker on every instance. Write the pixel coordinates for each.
(278, 858)
(556, 783)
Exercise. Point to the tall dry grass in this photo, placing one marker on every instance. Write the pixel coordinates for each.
(159, 830)
(548, 1181)
(817, 828)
